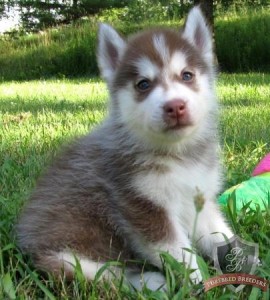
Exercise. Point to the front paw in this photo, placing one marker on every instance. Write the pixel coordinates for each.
(152, 280)
(196, 276)
(191, 262)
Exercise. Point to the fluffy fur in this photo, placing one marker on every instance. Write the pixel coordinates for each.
(127, 189)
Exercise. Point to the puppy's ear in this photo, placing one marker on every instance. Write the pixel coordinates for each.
(110, 49)
(198, 34)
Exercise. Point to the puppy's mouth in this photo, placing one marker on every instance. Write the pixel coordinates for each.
(177, 124)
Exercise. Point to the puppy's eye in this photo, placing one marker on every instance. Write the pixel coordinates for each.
(143, 85)
(187, 76)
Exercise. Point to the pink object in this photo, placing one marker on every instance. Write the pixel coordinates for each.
(263, 166)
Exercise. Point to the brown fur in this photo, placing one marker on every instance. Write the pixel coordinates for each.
(150, 221)
(141, 45)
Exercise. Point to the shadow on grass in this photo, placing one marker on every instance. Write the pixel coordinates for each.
(245, 79)
(248, 103)
(53, 101)
(10, 106)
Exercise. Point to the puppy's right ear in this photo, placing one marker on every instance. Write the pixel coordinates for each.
(110, 50)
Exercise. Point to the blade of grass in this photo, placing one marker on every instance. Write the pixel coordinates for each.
(8, 286)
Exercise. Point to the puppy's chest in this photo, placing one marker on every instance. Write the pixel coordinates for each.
(176, 185)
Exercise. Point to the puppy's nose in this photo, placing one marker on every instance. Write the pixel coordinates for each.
(175, 109)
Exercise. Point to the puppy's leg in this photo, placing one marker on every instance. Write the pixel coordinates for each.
(65, 261)
(178, 245)
(155, 280)
(212, 228)
(181, 249)
(151, 230)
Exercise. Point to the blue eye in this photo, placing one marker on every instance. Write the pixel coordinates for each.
(187, 76)
(143, 84)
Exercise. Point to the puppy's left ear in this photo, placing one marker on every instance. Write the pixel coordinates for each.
(198, 34)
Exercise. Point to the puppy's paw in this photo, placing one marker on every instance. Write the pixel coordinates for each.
(196, 276)
(191, 262)
(152, 280)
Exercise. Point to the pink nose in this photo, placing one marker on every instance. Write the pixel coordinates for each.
(175, 109)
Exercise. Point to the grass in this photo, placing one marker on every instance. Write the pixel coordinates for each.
(37, 117)
(240, 41)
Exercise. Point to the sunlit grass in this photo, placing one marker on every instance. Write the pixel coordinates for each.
(245, 115)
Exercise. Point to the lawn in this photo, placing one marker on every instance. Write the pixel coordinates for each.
(37, 117)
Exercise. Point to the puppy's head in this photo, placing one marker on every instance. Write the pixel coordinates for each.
(161, 81)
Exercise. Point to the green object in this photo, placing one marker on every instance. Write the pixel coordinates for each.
(256, 190)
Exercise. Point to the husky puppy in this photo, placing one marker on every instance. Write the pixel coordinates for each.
(126, 191)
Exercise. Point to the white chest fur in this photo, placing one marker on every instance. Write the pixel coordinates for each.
(176, 188)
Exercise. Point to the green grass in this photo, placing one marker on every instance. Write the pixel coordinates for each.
(37, 117)
(241, 42)
(245, 100)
